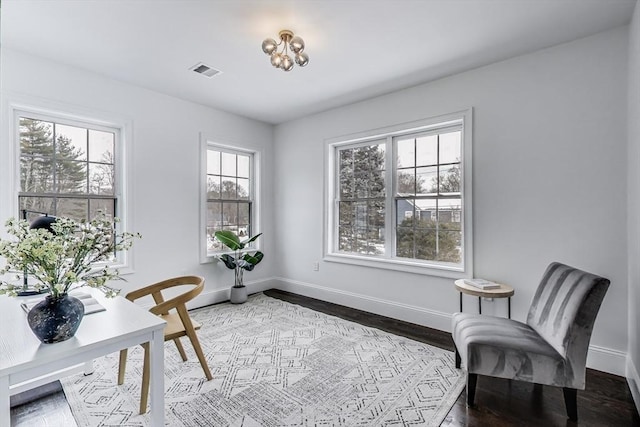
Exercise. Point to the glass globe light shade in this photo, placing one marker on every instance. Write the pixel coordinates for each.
(296, 44)
(276, 60)
(287, 63)
(302, 59)
(269, 46)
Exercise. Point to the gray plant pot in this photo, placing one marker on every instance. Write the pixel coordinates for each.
(238, 295)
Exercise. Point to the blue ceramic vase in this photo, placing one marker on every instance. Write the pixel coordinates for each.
(56, 319)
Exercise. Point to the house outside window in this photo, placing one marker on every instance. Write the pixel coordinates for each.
(229, 194)
(401, 198)
(67, 167)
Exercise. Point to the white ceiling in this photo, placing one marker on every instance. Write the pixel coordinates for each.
(357, 48)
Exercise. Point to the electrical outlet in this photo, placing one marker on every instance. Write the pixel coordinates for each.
(316, 266)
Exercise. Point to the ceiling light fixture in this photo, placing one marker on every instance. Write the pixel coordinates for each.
(282, 59)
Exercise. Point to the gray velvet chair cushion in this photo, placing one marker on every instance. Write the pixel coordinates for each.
(505, 348)
(551, 348)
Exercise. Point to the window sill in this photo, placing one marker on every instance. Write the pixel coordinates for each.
(437, 270)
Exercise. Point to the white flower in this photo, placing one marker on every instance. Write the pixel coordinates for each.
(65, 257)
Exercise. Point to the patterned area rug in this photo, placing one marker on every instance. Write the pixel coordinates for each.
(279, 364)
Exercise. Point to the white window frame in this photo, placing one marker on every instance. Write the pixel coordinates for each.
(389, 261)
(207, 143)
(68, 115)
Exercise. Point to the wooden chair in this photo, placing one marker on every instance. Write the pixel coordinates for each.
(179, 324)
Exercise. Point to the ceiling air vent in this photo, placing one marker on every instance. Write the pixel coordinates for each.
(205, 70)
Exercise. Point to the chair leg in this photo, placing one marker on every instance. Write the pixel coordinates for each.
(472, 380)
(180, 349)
(122, 366)
(144, 395)
(196, 346)
(571, 402)
(458, 359)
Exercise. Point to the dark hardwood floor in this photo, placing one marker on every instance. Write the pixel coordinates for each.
(606, 401)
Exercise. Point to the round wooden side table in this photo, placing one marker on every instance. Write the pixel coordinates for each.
(504, 291)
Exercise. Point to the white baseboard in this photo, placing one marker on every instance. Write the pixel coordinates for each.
(599, 358)
(408, 313)
(606, 360)
(215, 296)
(633, 379)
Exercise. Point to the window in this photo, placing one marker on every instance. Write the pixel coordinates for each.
(229, 194)
(67, 168)
(400, 198)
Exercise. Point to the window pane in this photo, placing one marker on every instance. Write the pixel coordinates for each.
(36, 174)
(375, 226)
(425, 243)
(106, 206)
(406, 179)
(426, 212)
(450, 147)
(406, 152)
(213, 187)
(212, 243)
(228, 189)
(101, 178)
(427, 180)
(213, 162)
(214, 215)
(368, 184)
(346, 213)
(405, 212)
(450, 214)
(228, 164)
(450, 179)
(230, 217)
(404, 242)
(70, 176)
(243, 189)
(71, 142)
(362, 172)
(449, 246)
(243, 166)
(101, 146)
(77, 209)
(214, 223)
(243, 217)
(361, 227)
(427, 150)
(39, 204)
(347, 183)
(346, 238)
(36, 137)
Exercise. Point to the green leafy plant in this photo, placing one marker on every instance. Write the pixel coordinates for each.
(240, 260)
(74, 254)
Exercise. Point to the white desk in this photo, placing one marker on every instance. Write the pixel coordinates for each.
(24, 361)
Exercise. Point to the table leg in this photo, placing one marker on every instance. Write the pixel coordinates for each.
(479, 305)
(88, 367)
(156, 347)
(5, 406)
(460, 302)
(509, 307)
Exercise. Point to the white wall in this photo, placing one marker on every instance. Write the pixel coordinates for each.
(549, 179)
(633, 359)
(165, 153)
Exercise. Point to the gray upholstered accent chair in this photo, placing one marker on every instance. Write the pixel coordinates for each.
(550, 348)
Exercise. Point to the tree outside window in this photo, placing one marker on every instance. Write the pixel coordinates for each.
(66, 170)
(400, 197)
(229, 194)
